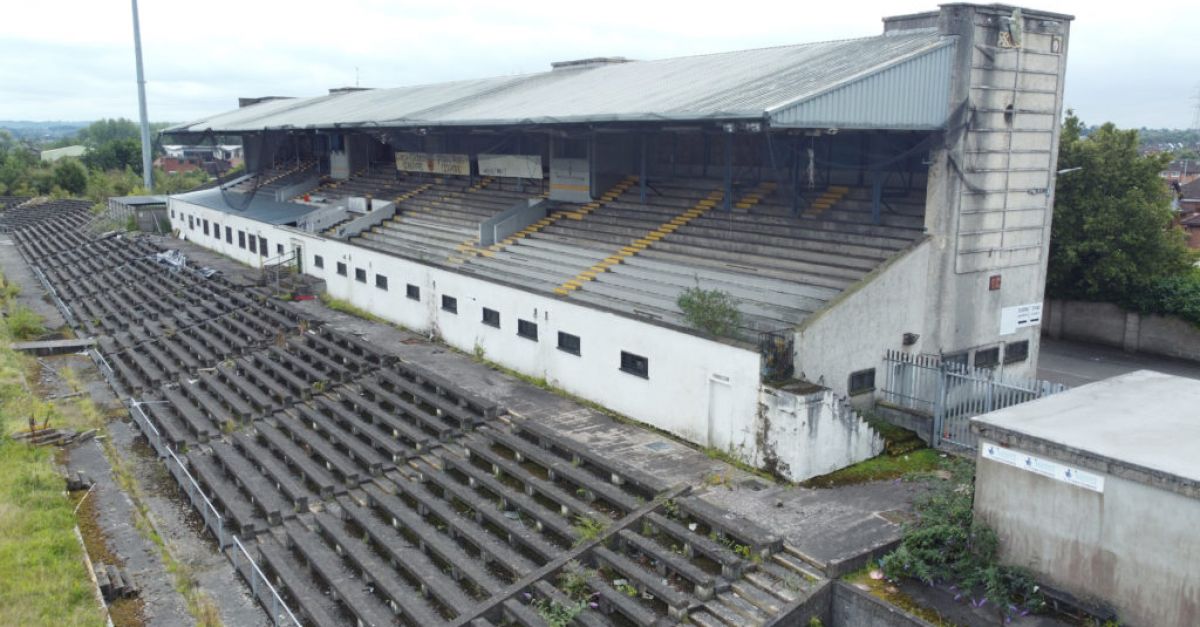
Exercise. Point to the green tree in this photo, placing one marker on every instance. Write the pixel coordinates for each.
(71, 176)
(116, 154)
(1112, 235)
(105, 131)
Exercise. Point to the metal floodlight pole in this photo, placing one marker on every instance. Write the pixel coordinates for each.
(147, 171)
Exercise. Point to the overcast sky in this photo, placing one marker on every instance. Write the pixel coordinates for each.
(1136, 64)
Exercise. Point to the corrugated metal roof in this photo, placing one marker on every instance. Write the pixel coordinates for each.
(748, 84)
(261, 207)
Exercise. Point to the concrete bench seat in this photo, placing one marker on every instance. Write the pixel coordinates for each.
(570, 505)
(280, 393)
(557, 468)
(321, 449)
(666, 563)
(484, 510)
(618, 474)
(230, 397)
(676, 601)
(345, 587)
(237, 509)
(321, 479)
(613, 601)
(397, 439)
(199, 424)
(732, 565)
(544, 520)
(260, 490)
(263, 403)
(289, 574)
(403, 599)
(169, 425)
(408, 411)
(498, 551)
(282, 477)
(759, 539)
(365, 456)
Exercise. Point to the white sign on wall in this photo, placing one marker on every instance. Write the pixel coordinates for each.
(434, 163)
(339, 165)
(1019, 317)
(1041, 466)
(515, 166)
(570, 180)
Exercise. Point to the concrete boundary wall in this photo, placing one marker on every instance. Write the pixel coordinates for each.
(704, 391)
(1110, 325)
(850, 606)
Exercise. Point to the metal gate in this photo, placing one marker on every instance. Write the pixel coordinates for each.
(952, 393)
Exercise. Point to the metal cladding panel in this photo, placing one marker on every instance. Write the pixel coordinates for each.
(732, 85)
(911, 94)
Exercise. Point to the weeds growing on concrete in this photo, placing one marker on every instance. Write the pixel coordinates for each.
(947, 545)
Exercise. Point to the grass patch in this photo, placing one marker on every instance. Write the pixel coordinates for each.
(889, 592)
(346, 307)
(43, 580)
(881, 468)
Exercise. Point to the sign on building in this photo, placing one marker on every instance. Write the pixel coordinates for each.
(570, 180)
(434, 163)
(515, 166)
(339, 165)
(1042, 466)
(1019, 317)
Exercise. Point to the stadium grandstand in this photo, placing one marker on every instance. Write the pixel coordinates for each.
(889, 193)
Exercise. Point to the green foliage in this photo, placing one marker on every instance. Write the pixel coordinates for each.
(573, 580)
(556, 614)
(712, 311)
(1177, 295)
(946, 545)
(23, 323)
(71, 176)
(587, 529)
(1112, 234)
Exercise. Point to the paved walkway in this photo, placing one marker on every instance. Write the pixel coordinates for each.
(1077, 363)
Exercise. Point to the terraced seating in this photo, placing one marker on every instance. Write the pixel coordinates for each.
(434, 224)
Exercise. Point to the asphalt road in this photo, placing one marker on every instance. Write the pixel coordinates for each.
(1076, 363)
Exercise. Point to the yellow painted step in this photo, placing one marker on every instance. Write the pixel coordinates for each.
(744, 205)
(562, 291)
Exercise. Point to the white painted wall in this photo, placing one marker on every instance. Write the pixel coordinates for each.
(674, 398)
(809, 435)
(854, 330)
(703, 391)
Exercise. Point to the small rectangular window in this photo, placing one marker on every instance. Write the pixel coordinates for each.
(279, 249)
(341, 268)
(172, 214)
(360, 275)
(253, 244)
(1016, 351)
(262, 246)
(635, 365)
(318, 261)
(956, 360)
(217, 232)
(862, 381)
(205, 228)
(412, 292)
(450, 304)
(191, 223)
(381, 282)
(568, 343)
(242, 239)
(491, 317)
(527, 329)
(229, 234)
(987, 357)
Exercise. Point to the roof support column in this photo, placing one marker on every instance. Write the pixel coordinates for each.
(642, 171)
(728, 170)
(794, 174)
(876, 196)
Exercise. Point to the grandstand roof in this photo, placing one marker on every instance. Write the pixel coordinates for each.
(259, 207)
(903, 78)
